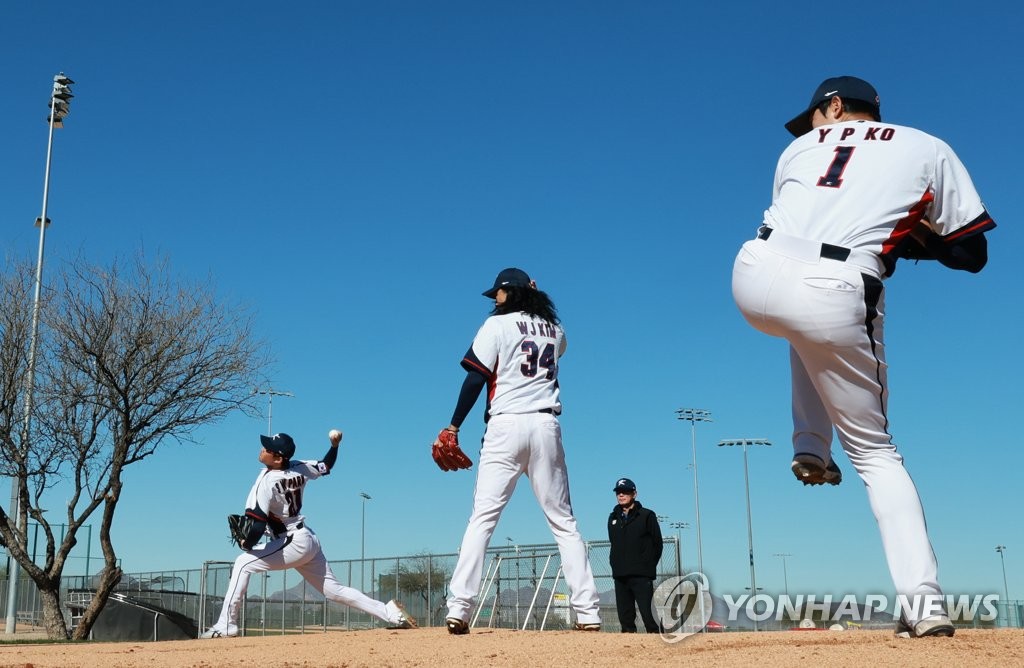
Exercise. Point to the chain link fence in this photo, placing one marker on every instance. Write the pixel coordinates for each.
(522, 588)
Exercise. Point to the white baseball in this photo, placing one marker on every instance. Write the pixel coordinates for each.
(334, 434)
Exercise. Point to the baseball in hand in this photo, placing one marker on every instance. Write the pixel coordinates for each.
(334, 435)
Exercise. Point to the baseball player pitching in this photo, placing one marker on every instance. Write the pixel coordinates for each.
(275, 506)
(515, 354)
(852, 195)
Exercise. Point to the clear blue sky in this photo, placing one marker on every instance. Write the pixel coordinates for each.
(357, 172)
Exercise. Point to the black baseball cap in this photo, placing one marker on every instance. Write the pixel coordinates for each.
(624, 485)
(845, 87)
(507, 278)
(282, 444)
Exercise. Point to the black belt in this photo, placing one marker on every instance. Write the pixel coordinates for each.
(287, 530)
(487, 416)
(827, 250)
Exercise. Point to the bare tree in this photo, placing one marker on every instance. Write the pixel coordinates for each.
(128, 358)
(422, 574)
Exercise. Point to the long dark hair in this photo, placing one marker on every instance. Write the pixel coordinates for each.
(529, 300)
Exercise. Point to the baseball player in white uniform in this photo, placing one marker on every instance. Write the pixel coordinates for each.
(275, 504)
(515, 354)
(851, 196)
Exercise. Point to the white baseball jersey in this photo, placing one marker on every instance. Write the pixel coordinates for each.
(825, 190)
(845, 200)
(279, 493)
(293, 544)
(518, 354)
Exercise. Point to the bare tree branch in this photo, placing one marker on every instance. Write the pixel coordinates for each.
(128, 358)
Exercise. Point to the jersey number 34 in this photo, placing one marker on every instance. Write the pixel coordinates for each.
(536, 358)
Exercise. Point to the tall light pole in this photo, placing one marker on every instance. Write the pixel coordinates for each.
(679, 542)
(695, 415)
(1006, 590)
(785, 577)
(271, 393)
(744, 442)
(362, 545)
(60, 101)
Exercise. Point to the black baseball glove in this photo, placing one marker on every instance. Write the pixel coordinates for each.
(239, 527)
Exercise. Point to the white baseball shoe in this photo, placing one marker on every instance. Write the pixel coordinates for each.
(400, 619)
(936, 625)
(213, 632)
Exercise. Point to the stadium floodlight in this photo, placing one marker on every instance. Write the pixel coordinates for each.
(693, 416)
(743, 443)
(60, 100)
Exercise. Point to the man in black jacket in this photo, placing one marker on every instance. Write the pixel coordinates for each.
(636, 548)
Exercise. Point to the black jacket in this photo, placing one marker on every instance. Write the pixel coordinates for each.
(636, 542)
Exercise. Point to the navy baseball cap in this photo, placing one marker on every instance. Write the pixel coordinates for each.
(282, 444)
(507, 278)
(624, 485)
(845, 87)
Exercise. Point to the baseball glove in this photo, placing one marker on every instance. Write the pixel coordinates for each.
(915, 250)
(447, 453)
(239, 526)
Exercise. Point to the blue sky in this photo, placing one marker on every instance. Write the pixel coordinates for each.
(357, 172)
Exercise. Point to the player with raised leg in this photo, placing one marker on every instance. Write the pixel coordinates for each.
(852, 195)
(274, 507)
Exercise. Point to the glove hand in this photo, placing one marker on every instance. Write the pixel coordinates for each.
(447, 453)
(239, 526)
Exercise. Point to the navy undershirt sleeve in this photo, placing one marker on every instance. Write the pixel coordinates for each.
(330, 458)
(968, 254)
(259, 526)
(471, 388)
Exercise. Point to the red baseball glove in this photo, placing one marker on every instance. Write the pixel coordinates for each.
(447, 453)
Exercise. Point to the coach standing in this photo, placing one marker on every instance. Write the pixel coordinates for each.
(636, 549)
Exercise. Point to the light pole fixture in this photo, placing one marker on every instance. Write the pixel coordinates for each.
(785, 577)
(695, 415)
(60, 107)
(362, 545)
(271, 393)
(743, 443)
(1006, 590)
(679, 542)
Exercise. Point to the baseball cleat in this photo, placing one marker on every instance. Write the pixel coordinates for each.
(214, 633)
(934, 626)
(456, 627)
(811, 470)
(588, 627)
(403, 620)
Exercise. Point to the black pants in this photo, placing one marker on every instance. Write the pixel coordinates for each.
(632, 593)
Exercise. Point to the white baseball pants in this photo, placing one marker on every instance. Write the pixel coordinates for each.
(514, 445)
(832, 312)
(300, 550)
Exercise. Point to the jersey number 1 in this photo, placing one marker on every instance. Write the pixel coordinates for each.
(834, 176)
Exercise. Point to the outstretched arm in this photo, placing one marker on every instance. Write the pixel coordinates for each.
(332, 453)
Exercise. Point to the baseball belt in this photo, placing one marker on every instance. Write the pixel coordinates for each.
(827, 251)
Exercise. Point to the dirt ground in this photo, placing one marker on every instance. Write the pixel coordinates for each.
(500, 647)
